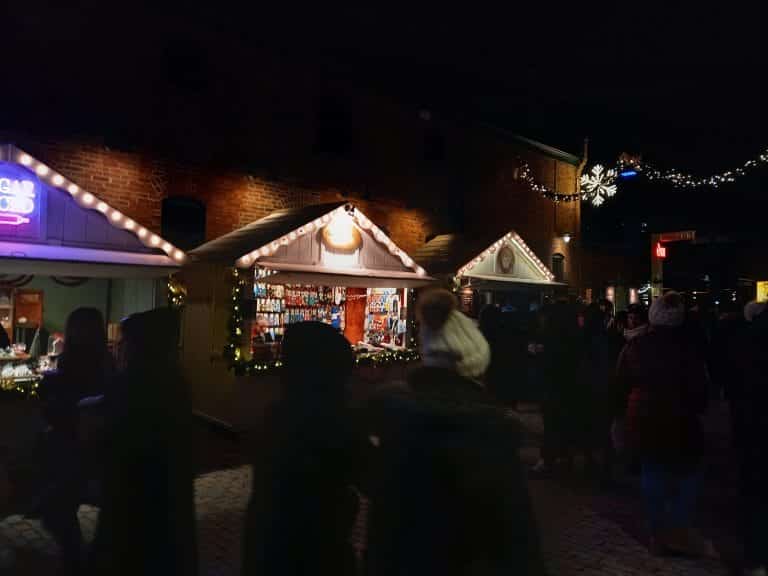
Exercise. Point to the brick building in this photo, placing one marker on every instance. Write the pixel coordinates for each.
(414, 173)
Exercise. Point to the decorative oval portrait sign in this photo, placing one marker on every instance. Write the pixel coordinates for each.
(505, 260)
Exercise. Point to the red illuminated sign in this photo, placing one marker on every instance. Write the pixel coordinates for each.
(661, 251)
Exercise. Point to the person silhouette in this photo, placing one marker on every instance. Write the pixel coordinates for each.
(83, 370)
(302, 507)
(147, 518)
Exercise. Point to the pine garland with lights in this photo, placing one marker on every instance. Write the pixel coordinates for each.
(379, 359)
(176, 293)
(233, 348)
(19, 389)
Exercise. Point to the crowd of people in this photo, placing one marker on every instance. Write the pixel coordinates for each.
(639, 384)
(437, 456)
(116, 433)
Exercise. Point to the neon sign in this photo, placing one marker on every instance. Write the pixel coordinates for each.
(17, 200)
(661, 251)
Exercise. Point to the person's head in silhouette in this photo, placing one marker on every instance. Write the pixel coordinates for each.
(85, 359)
(149, 356)
(317, 362)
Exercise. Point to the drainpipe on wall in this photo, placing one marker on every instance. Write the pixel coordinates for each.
(579, 171)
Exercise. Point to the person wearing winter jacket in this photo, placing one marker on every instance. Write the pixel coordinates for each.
(671, 377)
(752, 372)
(450, 497)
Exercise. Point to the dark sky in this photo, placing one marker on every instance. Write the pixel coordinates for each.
(683, 87)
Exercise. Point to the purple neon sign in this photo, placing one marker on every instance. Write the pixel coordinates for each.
(17, 199)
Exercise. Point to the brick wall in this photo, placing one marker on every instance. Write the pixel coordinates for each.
(136, 185)
(412, 198)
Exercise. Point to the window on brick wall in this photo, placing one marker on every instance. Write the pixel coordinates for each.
(558, 267)
(183, 221)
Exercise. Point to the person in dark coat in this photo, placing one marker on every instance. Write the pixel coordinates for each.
(727, 350)
(670, 374)
(752, 370)
(564, 402)
(602, 345)
(509, 363)
(302, 506)
(5, 341)
(147, 518)
(84, 370)
(450, 495)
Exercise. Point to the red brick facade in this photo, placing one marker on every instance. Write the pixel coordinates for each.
(409, 202)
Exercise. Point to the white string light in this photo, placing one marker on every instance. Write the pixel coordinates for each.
(115, 217)
(517, 241)
(683, 180)
(359, 219)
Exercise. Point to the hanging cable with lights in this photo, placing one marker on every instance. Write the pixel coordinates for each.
(681, 179)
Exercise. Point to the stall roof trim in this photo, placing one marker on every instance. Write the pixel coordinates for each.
(265, 237)
(228, 248)
(459, 255)
(88, 201)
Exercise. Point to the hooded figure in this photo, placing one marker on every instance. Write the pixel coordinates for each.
(449, 496)
(147, 519)
(302, 507)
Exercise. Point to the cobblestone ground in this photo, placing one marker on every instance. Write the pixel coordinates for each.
(582, 532)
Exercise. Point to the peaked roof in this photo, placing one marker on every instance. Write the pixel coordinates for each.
(89, 201)
(265, 236)
(458, 254)
(242, 241)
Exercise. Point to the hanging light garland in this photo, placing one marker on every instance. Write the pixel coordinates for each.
(599, 183)
(525, 174)
(683, 180)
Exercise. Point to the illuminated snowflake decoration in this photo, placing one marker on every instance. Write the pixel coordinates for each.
(598, 184)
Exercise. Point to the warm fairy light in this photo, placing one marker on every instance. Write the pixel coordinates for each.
(130, 224)
(292, 236)
(73, 189)
(116, 216)
(167, 248)
(102, 207)
(340, 232)
(142, 232)
(25, 159)
(154, 240)
(179, 255)
(58, 179)
(88, 198)
(42, 170)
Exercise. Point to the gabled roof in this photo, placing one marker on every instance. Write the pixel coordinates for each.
(88, 201)
(458, 254)
(264, 237)
(230, 247)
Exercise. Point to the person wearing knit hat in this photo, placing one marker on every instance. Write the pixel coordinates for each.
(669, 311)
(450, 470)
(670, 374)
(449, 339)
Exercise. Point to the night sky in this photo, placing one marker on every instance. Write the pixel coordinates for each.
(683, 88)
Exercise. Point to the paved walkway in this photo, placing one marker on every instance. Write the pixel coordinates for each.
(582, 533)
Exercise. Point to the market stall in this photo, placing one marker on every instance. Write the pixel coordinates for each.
(326, 263)
(61, 247)
(503, 271)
